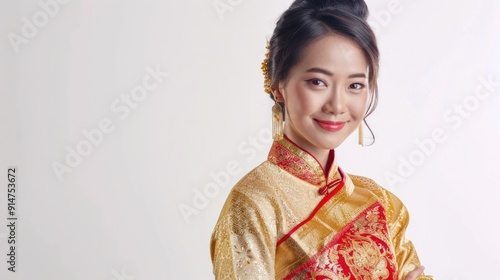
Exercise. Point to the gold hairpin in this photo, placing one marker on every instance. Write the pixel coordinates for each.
(265, 71)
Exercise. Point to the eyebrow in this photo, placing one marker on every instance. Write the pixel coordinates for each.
(326, 72)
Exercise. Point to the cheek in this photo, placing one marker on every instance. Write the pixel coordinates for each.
(300, 101)
(358, 106)
(304, 102)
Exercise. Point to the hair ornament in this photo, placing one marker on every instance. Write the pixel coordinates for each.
(265, 71)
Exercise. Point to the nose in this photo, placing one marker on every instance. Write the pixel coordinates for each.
(336, 102)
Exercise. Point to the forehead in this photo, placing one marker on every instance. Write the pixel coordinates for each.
(334, 52)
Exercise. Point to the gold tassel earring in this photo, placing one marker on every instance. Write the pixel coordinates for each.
(360, 135)
(277, 122)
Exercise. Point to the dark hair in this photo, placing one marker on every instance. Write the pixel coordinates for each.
(307, 20)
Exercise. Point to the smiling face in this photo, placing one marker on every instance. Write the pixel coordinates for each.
(326, 94)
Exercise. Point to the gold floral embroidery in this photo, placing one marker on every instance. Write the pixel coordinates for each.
(364, 258)
(243, 255)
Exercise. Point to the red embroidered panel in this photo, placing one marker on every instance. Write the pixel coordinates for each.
(360, 251)
(293, 164)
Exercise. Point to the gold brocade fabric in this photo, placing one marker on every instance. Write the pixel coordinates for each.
(276, 225)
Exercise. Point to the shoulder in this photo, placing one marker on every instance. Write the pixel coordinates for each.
(369, 184)
(253, 196)
(394, 207)
(258, 184)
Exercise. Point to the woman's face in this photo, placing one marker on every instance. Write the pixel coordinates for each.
(326, 94)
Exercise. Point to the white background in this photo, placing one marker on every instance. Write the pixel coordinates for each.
(115, 213)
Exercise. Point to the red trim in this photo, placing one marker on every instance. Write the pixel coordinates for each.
(315, 211)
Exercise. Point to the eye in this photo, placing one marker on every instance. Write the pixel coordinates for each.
(357, 86)
(316, 82)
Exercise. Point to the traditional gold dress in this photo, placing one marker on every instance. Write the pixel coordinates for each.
(286, 219)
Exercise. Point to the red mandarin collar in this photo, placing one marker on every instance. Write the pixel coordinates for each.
(301, 164)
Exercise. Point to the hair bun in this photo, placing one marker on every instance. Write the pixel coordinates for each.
(354, 7)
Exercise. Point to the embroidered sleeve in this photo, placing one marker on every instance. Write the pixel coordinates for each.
(243, 243)
(406, 254)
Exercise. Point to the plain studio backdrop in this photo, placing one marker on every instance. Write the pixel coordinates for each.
(128, 122)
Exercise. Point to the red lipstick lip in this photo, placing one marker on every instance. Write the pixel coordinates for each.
(330, 126)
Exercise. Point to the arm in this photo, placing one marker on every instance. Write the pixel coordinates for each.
(406, 256)
(409, 267)
(244, 240)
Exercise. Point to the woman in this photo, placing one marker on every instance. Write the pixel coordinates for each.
(298, 215)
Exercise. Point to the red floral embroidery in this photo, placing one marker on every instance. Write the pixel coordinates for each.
(360, 251)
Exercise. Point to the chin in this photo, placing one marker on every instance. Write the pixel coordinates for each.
(331, 145)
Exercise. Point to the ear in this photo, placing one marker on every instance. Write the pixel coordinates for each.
(278, 93)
